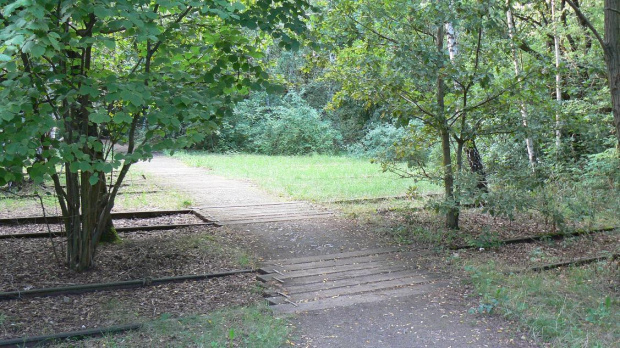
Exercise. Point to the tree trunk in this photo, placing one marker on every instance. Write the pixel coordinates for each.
(558, 78)
(476, 166)
(87, 219)
(452, 214)
(529, 143)
(611, 48)
(612, 58)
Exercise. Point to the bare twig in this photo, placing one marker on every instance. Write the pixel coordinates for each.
(49, 230)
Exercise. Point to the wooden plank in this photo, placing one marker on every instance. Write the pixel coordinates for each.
(324, 257)
(322, 271)
(265, 220)
(39, 341)
(248, 215)
(358, 289)
(343, 301)
(116, 215)
(318, 296)
(160, 227)
(345, 275)
(300, 299)
(338, 262)
(357, 281)
(269, 207)
(368, 200)
(575, 262)
(118, 229)
(247, 205)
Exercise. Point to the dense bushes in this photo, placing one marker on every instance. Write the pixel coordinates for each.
(378, 142)
(274, 125)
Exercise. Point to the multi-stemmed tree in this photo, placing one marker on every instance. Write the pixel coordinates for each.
(79, 77)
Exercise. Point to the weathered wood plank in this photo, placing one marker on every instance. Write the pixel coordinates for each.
(343, 301)
(270, 214)
(274, 219)
(330, 256)
(339, 262)
(358, 281)
(345, 275)
(325, 271)
(358, 289)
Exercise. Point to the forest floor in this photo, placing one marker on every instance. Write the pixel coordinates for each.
(452, 315)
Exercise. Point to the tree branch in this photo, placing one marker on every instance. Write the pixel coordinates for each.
(588, 24)
(394, 41)
(409, 100)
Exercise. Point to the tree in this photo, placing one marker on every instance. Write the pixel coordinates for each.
(395, 53)
(101, 73)
(611, 49)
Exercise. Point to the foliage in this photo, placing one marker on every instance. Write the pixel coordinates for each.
(585, 191)
(272, 125)
(379, 142)
(79, 78)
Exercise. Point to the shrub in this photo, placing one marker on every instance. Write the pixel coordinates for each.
(379, 142)
(275, 125)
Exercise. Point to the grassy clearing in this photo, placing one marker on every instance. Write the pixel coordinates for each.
(572, 307)
(316, 178)
(236, 327)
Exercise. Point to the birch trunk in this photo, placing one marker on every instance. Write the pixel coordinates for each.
(529, 143)
(558, 77)
(452, 215)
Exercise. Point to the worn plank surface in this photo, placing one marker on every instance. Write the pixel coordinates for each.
(326, 281)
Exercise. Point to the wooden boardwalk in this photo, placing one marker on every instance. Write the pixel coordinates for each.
(260, 213)
(344, 279)
(226, 201)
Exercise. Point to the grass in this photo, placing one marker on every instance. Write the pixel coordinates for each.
(252, 326)
(135, 197)
(318, 178)
(572, 307)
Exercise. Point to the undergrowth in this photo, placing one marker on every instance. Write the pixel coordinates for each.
(571, 307)
(253, 326)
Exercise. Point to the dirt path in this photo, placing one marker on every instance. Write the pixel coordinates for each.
(432, 314)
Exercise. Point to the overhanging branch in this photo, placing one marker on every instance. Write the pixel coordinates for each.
(588, 24)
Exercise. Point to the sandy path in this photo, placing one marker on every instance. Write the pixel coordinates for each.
(435, 319)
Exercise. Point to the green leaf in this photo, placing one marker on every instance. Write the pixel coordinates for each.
(135, 99)
(37, 51)
(93, 179)
(122, 117)
(86, 89)
(109, 43)
(99, 117)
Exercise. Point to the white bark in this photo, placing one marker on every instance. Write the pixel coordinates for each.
(529, 143)
(558, 77)
(452, 41)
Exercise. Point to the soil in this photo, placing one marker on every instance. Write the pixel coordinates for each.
(32, 263)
